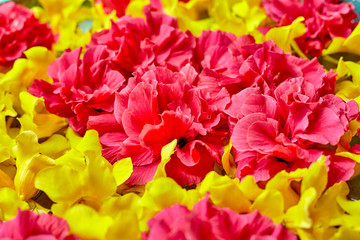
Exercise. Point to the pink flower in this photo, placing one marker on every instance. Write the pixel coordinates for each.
(29, 225)
(132, 42)
(19, 31)
(324, 21)
(207, 221)
(289, 130)
(81, 88)
(238, 63)
(118, 6)
(157, 106)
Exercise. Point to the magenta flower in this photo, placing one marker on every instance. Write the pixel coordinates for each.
(29, 225)
(132, 42)
(157, 106)
(289, 130)
(81, 88)
(207, 221)
(118, 6)
(19, 31)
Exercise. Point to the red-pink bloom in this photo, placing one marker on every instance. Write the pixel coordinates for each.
(29, 225)
(82, 87)
(157, 106)
(133, 42)
(324, 20)
(19, 31)
(207, 221)
(118, 5)
(238, 62)
(289, 130)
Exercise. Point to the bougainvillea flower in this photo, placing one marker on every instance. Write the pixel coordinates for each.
(324, 21)
(132, 42)
(82, 87)
(207, 221)
(29, 225)
(156, 107)
(19, 31)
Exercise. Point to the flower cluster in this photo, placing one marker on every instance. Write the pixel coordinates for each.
(141, 88)
(181, 119)
(20, 30)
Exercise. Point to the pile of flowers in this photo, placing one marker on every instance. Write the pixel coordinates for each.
(185, 119)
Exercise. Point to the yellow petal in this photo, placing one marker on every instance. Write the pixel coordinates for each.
(9, 203)
(99, 183)
(125, 227)
(249, 187)
(60, 183)
(122, 170)
(26, 173)
(316, 177)
(161, 193)
(228, 162)
(299, 216)
(219, 188)
(166, 153)
(130, 201)
(270, 203)
(283, 36)
(86, 223)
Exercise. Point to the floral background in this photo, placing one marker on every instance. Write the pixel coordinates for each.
(179, 119)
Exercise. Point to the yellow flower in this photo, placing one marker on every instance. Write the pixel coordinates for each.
(87, 223)
(135, 8)
(29, 161)
(9, 203)
(24, 71)
(74, 21)
(219, 188)
(80, 175)
(239, 17)
(36, 118)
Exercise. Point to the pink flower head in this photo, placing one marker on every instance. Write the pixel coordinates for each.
(82, 87)
(207, 221)
(289, 130)
(324, 20)
(157, 106)
(118, 5)
(134, 43)
(29, 225)
(19, 31)
(237, 63)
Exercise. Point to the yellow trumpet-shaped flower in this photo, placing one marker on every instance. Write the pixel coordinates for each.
(347, 88)
(36, 118)
(74, 21)
(29, 161)
(81, 174)
(239, 17)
